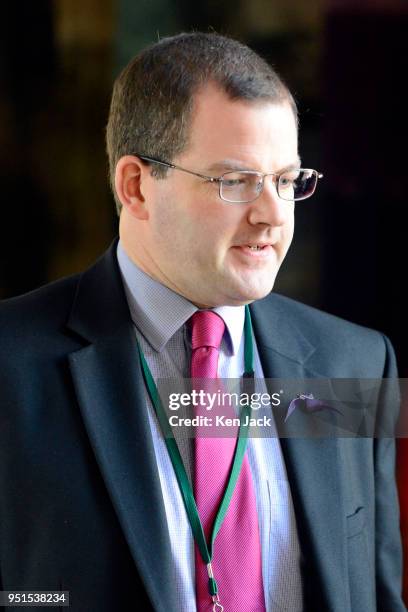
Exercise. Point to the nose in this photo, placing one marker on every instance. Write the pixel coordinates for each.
(269, 208)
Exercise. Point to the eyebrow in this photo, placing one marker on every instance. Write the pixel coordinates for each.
(234, 164)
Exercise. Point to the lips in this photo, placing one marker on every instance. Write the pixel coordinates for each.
(259, 251)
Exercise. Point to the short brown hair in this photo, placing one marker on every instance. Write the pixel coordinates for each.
(153, 96)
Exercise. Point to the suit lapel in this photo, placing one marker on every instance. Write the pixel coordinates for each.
(313, 466)
(110, 392)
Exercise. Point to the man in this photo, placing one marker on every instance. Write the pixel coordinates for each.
(202, 144)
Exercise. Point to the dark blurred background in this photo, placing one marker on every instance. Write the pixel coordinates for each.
(345, 61)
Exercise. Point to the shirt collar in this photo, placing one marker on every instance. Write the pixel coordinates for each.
(158, 312)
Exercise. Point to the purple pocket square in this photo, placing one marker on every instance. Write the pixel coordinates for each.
(309, 403)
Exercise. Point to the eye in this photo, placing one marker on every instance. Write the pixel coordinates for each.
(285, 181)
(233, 182)
(288, 179)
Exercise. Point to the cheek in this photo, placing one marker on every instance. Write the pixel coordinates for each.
(198, 223)
(181, 233)
(290, 226)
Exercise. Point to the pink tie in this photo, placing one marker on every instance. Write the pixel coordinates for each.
(236, 562)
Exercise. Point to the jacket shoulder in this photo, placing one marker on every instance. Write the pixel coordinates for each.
(351, 350)
(316, 321)
(42, 309)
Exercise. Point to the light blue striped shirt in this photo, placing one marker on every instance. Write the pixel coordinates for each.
(159, 316)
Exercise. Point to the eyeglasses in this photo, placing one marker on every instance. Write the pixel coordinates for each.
(240, 186)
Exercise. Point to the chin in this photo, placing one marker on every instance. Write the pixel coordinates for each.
(246, 295)
(237, 290)
(257, 291)
(259, 295)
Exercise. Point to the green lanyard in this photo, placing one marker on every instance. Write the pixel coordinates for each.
(181, 475)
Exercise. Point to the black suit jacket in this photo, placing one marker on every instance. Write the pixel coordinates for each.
(80, 499)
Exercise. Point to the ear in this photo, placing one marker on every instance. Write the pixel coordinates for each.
(130, 175)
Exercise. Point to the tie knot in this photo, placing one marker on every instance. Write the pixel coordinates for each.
(207, 329)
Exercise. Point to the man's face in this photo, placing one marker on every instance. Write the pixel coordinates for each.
(199, 245)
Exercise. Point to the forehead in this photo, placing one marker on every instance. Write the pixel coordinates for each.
(260, 134)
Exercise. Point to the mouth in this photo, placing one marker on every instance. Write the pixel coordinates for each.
(260, 251)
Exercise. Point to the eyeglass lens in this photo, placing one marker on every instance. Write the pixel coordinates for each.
(246, 186)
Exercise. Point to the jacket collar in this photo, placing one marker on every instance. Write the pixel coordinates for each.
(110, 390)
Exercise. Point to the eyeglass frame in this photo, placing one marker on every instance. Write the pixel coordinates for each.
(219, 179)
